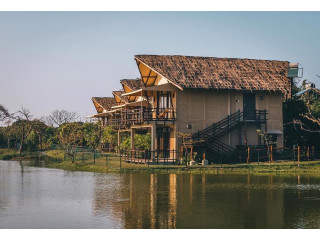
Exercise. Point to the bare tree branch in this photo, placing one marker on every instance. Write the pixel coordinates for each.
(59, 117)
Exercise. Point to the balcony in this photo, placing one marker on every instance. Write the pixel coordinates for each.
(127, 118)
(259, 116)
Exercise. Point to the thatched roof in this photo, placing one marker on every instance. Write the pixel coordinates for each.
(105, 102)
(133, 84)
(118, 94)
(221, 73)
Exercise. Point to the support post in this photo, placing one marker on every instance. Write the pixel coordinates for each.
(271, 153)
(119, 141)
(248, 157)
(153, 141)
(120, 160)
(132, 138)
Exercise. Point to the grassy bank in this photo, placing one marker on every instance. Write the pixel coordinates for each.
(110, 163)
(10, 154)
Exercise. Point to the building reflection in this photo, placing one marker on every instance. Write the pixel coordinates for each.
(203, 201)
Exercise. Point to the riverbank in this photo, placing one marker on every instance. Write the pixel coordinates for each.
(9, 154)
(110, 163)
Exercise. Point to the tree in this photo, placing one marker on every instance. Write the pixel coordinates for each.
(70, 134)
(142, 141)
(39, 129)
(9, 133)
(24, 123)
(91, 134)
(4, 114)
(59, 117)
(302, 118)
(110, 136)
(51, 136)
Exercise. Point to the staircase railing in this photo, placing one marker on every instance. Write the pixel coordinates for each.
(219, 128)
(211, 135)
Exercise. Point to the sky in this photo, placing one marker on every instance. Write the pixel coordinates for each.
(59, 60)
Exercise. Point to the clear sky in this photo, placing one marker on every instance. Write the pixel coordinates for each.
(59, 60)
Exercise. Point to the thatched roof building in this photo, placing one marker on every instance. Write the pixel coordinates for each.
(220, 73)
(133, 84)
(103, 103)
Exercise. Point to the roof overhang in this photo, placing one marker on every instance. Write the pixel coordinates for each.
(101, 115)
(144, 91)
(143, 103)
(142, 77)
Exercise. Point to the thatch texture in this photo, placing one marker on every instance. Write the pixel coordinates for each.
(133, 84)
(118, 94)
(221, 73)
(105, 102)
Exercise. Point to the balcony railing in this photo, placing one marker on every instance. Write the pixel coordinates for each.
(151, 157)
(259, 116)
(141, 115)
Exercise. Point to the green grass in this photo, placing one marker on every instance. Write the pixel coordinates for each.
(10, 154)
(111, 163)
(55, 153)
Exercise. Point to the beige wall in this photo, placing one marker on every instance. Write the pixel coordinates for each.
(201, 108)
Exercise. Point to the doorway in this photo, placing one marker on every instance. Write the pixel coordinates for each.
(249, 106)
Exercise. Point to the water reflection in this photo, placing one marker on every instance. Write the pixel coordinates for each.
(49, 198)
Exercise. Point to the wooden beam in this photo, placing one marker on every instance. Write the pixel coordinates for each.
(158, 74)
(148, 77)
(138, 63)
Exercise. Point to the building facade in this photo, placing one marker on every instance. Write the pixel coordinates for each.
(220, 103)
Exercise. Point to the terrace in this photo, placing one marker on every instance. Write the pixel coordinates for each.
(128, 117)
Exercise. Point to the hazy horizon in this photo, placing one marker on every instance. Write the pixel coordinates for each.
(59, 60)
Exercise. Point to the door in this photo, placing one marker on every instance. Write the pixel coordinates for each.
(163, 139)
(249, 106)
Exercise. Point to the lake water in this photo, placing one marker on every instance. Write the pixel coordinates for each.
(34, 197)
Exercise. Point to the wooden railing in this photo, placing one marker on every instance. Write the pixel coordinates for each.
(211, 135)
(140, 115)
(150, 157)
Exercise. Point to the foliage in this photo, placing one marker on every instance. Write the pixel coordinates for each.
(4, 113)
(70, 134)
(302, 119)
(126, 143)
(91, 134)
(50, 136)
(315, 109)
(110, 137)
(142, 141)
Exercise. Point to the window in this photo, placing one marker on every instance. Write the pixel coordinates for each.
(164, 99)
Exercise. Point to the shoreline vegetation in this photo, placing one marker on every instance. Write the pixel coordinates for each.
(109, 163)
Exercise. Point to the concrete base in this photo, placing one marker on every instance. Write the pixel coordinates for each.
(204, 162)
(192, 163)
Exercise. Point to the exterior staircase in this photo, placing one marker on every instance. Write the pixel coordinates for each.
(210, 137)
